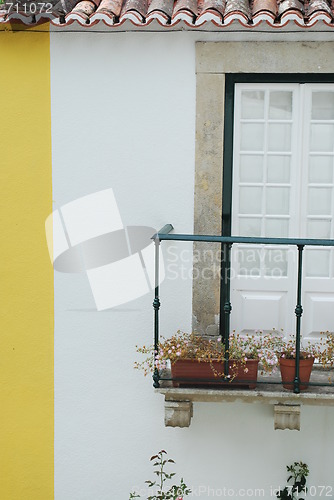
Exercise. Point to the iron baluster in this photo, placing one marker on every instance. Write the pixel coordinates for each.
(298, 313)
(156, 306)
(225, 302)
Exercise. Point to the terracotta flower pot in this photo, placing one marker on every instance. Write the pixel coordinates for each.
(288, 370)
(196, 373)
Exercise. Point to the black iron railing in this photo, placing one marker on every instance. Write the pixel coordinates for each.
(225, 302)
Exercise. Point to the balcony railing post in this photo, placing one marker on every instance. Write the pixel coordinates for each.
(298, 312)
(225, 301)
(156, 306)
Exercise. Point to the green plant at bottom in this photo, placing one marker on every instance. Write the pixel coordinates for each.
(298, 474)
(174, 492)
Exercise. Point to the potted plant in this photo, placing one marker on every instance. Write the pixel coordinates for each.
(326, 355)
(197, 360)
(322, 351)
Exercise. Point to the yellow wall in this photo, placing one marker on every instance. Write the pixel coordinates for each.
(26, 276)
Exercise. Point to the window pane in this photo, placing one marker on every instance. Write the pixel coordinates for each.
(322, 137)
(319, 201)
(321, 169)
(249, 226)
(280, 105)
(277, 228)
(276, 263)
(252, 136)
(251, 168)
(278, 200)
(252, 104)
(323, 105)
(279, 137)
(278, 169)
(317, 263)
(319, 228)
(250, 200)
(249, 261)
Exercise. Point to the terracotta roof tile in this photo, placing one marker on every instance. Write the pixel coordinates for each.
(192, 14)
(185, 10)
(235, 6)
(218, 5)
(111, 7)
(190, 5)
(135, 6)
(210, 10)
(286, 5)
(83, 9)
(264, 6)
(318, 6)
(163, 6)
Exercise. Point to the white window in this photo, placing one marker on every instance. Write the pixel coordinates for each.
(283, 186)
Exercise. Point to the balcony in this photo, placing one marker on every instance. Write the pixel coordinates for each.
(286, 404)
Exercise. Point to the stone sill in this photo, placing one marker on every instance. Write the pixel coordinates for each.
(286, 404)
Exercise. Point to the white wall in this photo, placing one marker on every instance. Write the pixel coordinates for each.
(123, 116)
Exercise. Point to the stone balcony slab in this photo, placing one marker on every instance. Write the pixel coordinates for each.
(287, 405)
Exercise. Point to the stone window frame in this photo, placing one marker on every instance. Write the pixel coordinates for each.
(213, 61)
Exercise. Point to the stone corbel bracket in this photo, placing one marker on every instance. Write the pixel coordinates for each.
(287, 417)
(178, 413)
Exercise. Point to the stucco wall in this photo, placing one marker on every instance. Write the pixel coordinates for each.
(123, 116)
